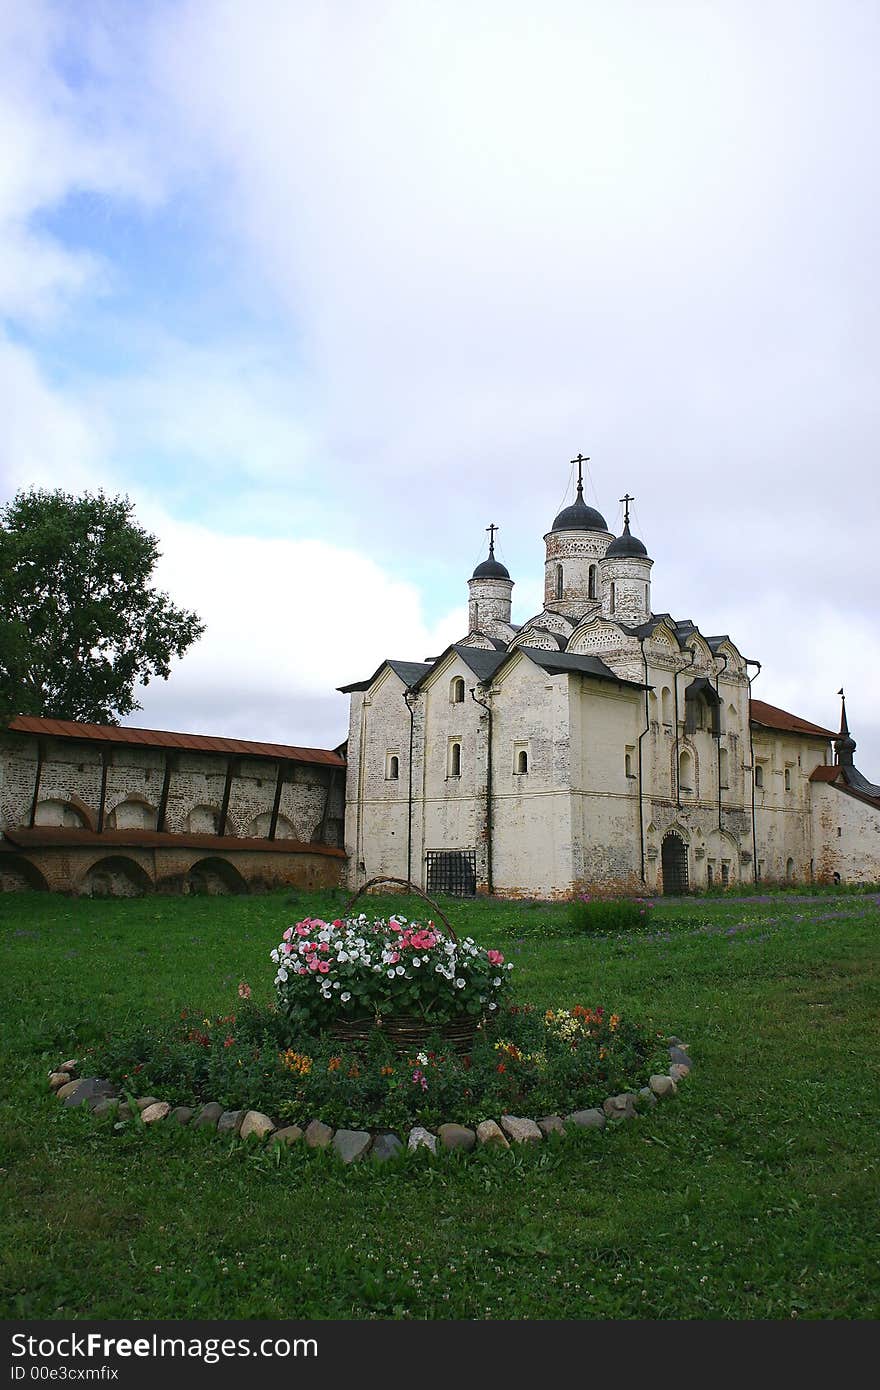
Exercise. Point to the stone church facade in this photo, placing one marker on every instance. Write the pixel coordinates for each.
(597, 746)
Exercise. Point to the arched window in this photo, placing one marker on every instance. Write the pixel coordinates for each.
(628, 763)
(685, 772)
(455, 759)
(456, 690)
(591, 589)
(759, 776)
(789, 870)
(559, 581)
(666, 704)
(788, 779)
(522, 761)
(392, 767)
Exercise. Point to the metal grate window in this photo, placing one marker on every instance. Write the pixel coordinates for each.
(452, 871)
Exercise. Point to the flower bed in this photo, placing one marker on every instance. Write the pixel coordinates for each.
(288, 1061)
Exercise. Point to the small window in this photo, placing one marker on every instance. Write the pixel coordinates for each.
(724, 768)
(759, 776)
(788, 779)
(710, 874)
(613, 596)
(789, 870)
(686, 772)
(522, 762)
(559, 581)
(725, 873)
(456, 690)
(839, 832)
(454, 759)
(629, 762)
(591, 589)
(392, 767)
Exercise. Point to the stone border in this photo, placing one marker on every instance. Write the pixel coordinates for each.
(352, 1144)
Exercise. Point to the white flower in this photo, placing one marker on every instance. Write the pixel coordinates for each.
(282, 974)
(399, 970)
(274, 956)
(510, 965)
(416, 962)
(345, 996)
(336, 984)
(497, 980)
(459, 984)
(493, 1006)
(391, 974)
(342, 957)
(422, 1058)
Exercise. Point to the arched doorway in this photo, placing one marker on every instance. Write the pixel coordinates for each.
(213, 877)
(675, 864)
(116, 877)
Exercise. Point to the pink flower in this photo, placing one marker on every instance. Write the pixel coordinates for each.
(316, 964)
(302, 929)
(288, 934)
(495, 957)
(323, 966)
(244, 990)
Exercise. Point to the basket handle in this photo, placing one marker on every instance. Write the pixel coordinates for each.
(411, 888)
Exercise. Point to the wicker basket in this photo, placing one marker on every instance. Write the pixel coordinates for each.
(406, 1032)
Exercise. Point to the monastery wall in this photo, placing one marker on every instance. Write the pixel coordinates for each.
(784, 803)
(846, 836)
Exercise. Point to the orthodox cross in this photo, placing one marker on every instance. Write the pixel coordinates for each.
(580, 461)
(492, 528)
(626, 501)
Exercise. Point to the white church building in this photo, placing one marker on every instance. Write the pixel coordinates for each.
(597, 746)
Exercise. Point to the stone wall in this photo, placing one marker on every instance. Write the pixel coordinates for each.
(846, 836)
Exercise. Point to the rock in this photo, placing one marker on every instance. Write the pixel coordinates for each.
(647, 1096)
(257, 1124)
(182, 1114)
(621, 1107)
(145, 1102)
(586, 1119)
(57, 1079)
(677, 1042)
(678, 1072)
(289, 1135)
(155, 1112)
(68, 1089)
(230, 1122)
(457, 1137)
(520, 1129)
(551, 1124)
(208, 1116)
(351, 1144)
(386, 1146)
(678, 1054)
(318, 1135)
(69, 1066)
(488, 1132)
(420, 1138)
(86, 1092)
(106, 1105)
(662, 1086)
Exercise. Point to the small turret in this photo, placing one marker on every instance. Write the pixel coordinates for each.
(491, 588)
(575, 544)
(626, 576)
(844, 744)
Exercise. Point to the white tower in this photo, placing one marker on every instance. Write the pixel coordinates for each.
(490, 588)
(575, 544)
(626, 577)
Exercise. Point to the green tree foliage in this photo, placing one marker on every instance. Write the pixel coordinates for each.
(80, 623)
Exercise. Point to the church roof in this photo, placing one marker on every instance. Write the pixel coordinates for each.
(771, 717)
(491, 569)
(574, 664)
(410, 672)
(626, 545)
(847, 779)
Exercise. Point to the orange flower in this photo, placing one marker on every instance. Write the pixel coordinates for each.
(613, 1021)
(334, 1064)
(387, 1071)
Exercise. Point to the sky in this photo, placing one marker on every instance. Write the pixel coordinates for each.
(326, 288)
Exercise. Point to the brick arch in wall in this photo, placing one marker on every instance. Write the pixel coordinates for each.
(259, 827)
(115, 876)
(69, 810)
(18, 874)
(133, 812)
(214, 876)
(203, 819)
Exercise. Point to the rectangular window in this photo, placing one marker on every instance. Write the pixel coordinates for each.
(453, 758)
(629, 761)
(725, 872)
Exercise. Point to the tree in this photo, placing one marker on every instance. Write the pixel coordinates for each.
(80, 623)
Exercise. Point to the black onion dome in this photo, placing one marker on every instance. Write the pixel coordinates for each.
(579, 517)
(627, 544)
(490, 569)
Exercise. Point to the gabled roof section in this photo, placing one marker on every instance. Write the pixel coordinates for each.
(559, 663)
(771, 717)
(483, 662)
(163, 738)
(849, 780)
(410, 672)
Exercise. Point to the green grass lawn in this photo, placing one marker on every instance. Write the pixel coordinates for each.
(752, 1194)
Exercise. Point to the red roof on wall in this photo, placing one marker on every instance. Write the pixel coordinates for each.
(160, 738)
(771, 717)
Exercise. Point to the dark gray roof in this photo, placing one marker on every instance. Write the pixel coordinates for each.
(483, 663)
(491, 569)
(560, 662)
(626, 544)
(579, 517)
(409, 672)
(853, 778)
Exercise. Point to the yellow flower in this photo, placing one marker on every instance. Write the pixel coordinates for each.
(613, 1021)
